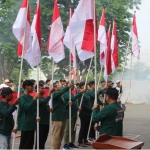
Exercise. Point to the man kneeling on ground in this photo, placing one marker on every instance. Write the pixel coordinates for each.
(111, 116)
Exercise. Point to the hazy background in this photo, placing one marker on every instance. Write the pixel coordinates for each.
(140, 82)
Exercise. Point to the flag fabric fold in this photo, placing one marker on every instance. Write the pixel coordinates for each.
(55, 45)
(102, 38)
(69, 43)
(114, 48)
(36, 33)
(82, 29)
(135, 42)
(22, 30)
(108, 66)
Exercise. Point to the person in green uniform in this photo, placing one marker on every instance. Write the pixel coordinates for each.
(74, 110)
(85, 116)
(91, 94)
(27, 116)
(59, 115)
(21, 87)
(111, 116)
(44, 114)
(6, 117)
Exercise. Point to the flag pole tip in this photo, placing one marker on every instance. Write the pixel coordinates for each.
(135, 11)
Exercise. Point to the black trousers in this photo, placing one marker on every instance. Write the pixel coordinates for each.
(43, 134)
(85, 121)
(92, 131)
(27, 140)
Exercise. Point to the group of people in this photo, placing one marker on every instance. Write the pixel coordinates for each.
(106, 110)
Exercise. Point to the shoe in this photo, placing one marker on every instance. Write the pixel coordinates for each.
(71, 145)
(82, 145)
(66, 147)
(91, 139)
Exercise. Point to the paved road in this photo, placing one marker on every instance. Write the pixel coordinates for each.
(136, 125)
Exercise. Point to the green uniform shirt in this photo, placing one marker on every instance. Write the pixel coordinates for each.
(86, 105)
(111, 118)
(44, 112)
(59, 106)
(91, 94)
(27, 113)
(21, 89)
(74, 107)
(6, 118)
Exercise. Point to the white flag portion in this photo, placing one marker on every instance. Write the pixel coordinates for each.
(22, 30)
(114, 48)
(69, 43)
(55, 46)
(36, 33)
(135, 42)
(82, 29)
(102, 37)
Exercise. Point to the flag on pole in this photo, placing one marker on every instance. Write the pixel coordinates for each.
(82, 29)
(102, 38)
(36, 33)
(22, 30)
(114, 48)
(69, 43)
(55, 45)
(135, 42)
(108, 66)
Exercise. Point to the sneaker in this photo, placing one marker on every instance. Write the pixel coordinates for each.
(71, 145)
(91, 139)
(66, 147)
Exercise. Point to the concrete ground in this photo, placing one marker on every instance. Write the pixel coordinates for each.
(136, 126)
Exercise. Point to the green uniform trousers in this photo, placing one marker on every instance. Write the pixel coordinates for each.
(66, 133)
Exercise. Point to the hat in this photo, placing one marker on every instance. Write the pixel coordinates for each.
(6, 81)
(6, 90)
(3, 86)
(118, 81)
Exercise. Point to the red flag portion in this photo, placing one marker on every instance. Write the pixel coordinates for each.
(108, 68)
(114, 47)
(55, 45)
(135, 42)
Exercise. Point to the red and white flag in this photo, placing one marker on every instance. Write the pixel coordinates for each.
(114, 48)
(102, 37)
(69, 43)
(36, 33)
(22, 30)
(135, 42)
(108, 66)
(55, 45)
(82, 29)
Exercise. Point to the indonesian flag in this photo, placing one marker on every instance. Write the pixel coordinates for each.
(22, 30)
(36, 33)
(55, 45)
(82, 29)
(108, 68)
(102, 38)
(114, 48)
(135, 43)
(69, 43)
